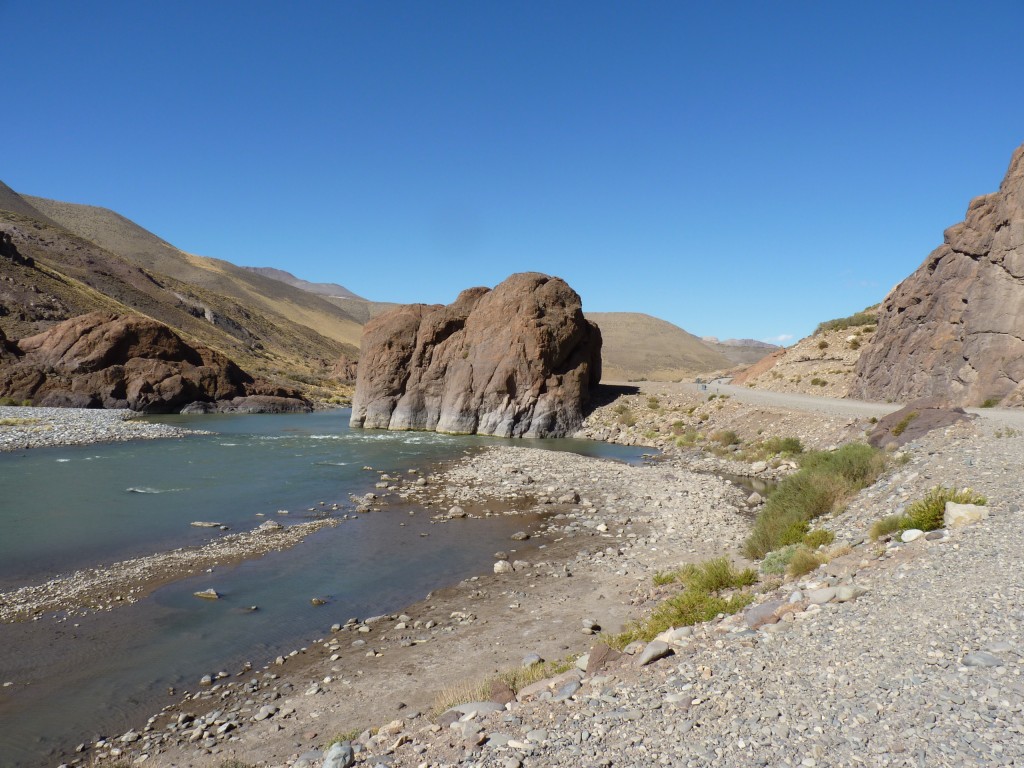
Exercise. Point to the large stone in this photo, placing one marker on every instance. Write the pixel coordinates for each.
(102, 360)
(957, 515)
(954, 329)
(339, 756)
(516, 361)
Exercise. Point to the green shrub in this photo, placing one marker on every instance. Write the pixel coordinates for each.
(886, 526)
(826, 481)
(865, 318)
(699, 601)
(803, 562)
(818, 537)
(726, 437)
(822, 344)
(990, 402)
(653, 403)
(818, 382)
(790, 445)
(855, 344)
(776, 561)
(927, 514)
(901, 427)
(715, 575)
(626, 418)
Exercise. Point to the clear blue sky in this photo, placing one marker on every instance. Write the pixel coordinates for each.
(740, 169)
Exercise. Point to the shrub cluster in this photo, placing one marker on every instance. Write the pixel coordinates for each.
(926, 514)
(867, 317)
(825, 483)
(700, 600)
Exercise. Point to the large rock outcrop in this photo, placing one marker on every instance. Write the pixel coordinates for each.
(954, 329)
(102, 360)
(516, 361)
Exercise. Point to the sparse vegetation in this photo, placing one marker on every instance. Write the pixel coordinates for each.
(21, 422)
(855, 344)
(1006, 432)
(819, 537)
(516, 678)
(822, 344)
(726, 437)
(866, 318)
(901, 427)
(701, 600)
(341, 737)
(653, 403)
(825, 483)
(926, 514)
(783, 445)
(776, 561)
(990, 402)
(17, 403)
(818, 382)
(803, 561)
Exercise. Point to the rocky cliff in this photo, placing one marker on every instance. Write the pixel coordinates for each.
(516, 361)
(103, 360)
(954, 329)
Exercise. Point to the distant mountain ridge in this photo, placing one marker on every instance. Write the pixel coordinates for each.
(741, 351)
(322, 289)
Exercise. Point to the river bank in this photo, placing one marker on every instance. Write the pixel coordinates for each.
(23, 428)
(800, 692)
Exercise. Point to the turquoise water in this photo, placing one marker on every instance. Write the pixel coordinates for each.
(67, 508)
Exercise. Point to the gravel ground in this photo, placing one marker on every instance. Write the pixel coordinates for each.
(923, 669)
(23, 428)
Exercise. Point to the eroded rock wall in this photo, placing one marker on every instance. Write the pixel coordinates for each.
(954, 329)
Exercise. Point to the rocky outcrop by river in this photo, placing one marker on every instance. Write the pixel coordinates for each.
(516, 361)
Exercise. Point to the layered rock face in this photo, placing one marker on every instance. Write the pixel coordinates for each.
(516, 361)
(102, 360)
(954, 329)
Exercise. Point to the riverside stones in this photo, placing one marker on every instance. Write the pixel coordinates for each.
(516, 361)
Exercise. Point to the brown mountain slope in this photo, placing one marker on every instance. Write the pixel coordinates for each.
(638, 346)
(72, 275)
(272, 298)
(321, 289)
(15, 203)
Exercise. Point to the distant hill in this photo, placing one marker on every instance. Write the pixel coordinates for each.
(820, 364)
(322, 289)
(12, 201)
(638, 346)
(741, 351)
(89, 258)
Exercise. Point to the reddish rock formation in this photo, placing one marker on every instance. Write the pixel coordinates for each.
(516, 361)
(102, 360)
(954, 329)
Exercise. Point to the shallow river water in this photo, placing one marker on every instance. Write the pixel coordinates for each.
(62, 509)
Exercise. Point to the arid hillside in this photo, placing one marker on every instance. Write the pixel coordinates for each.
(77, 259)
(821, 364)
(638, 347)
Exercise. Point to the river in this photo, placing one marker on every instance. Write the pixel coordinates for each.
(63, 509)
